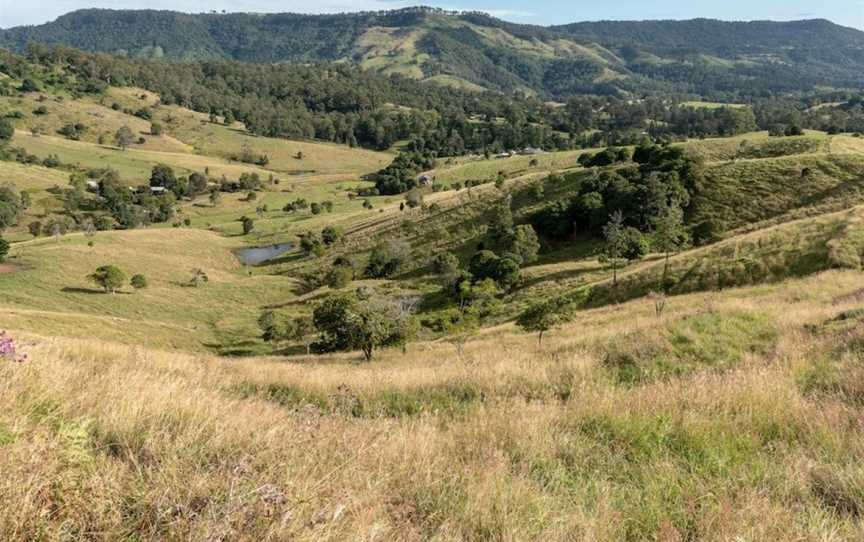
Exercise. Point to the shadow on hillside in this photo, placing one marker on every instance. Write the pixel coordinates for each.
(238, 349)
(559, 275)
(74, 290)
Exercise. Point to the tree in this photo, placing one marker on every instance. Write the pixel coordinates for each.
(670, 235)
(7, 130)
(108, 277)
(330, 235)
(339, 277)
(483, 264)
(505, 271)
(387, 258)
(542, 317)
(124, 137)
(197, 184)
(10, 207)
(35, 228)
(248, 225)
(302, 329)
(524, 243)
(163, 176)
(414, 198)
(355, 322)
(4, 249)
(274, 328)
(139, 282)
(446, 266)
(215, 197)
(29, 85)
(310, 243)
(616, 243)
(155, 129)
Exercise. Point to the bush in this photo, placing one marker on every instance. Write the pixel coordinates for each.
(339, 277)
(138, 282)
(330, 235)
(387, 258)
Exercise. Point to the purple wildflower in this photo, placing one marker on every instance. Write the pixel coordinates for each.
(8, 351)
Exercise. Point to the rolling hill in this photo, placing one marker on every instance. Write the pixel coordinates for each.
(474, 50)
(705, 391)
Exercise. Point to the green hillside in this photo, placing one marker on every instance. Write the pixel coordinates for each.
(702, 57)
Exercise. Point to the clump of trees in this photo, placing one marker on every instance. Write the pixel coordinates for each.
(73, 130)
(662, 177)
(401, 175)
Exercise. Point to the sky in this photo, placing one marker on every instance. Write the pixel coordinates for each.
(544, 12)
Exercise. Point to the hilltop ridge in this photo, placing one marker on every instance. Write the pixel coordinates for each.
(475, 50)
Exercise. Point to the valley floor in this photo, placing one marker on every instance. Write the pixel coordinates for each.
(733, 416)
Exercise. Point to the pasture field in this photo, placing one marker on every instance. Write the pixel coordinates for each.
(733, 416)
(133, 164)
(49, 290)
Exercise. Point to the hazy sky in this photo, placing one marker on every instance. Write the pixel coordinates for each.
(846, 12)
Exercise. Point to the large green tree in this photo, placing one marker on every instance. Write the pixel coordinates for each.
(108, 277)
(359, 322)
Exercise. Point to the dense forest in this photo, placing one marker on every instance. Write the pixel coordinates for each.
(718, 60)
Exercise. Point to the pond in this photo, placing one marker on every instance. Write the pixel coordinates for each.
(256, 255)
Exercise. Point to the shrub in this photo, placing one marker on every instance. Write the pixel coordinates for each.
(339, 277)
(387, 258)
(138, 282)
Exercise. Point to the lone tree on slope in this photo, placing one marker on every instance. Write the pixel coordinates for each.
(108, 277)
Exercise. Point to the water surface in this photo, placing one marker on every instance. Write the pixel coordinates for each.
(256, 255)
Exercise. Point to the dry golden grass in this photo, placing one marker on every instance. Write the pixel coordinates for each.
(106, 442)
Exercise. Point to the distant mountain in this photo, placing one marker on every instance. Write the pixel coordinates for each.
(715, 59)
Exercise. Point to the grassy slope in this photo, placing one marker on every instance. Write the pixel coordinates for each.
(742, 423)
(50, 291)
(325, 172)
(36, 181)
(320, 160)
(133, 164)
(220, 316)
(99, 118)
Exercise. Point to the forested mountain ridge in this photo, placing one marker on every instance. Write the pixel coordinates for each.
(714, 59)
